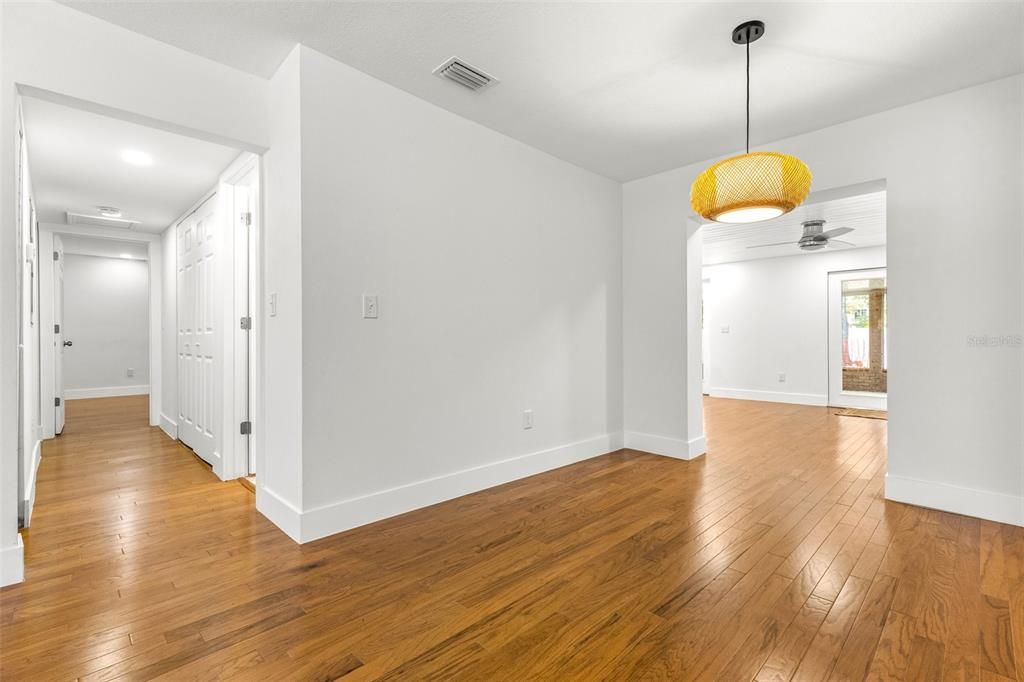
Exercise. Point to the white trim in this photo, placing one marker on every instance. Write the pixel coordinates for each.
(117, 234)
(281, 513)
(817, 399)
(12, 563)
(48, 411)
(169, 426)
(358, 511)
(104, 392)
(983, 504)
(30, 490)
(136, 118)
(697, 447)
(237, 343)
(665, 446)
(156, 323)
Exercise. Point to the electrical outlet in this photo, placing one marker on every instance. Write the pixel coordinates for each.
(725, 329)
(782, 377)
(369, 307)
(527, 419)
(130, 371)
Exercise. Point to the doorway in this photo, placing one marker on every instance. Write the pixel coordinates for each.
(858, 331)
(108, 195)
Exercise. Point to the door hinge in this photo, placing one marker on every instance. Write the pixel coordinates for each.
(56, 329)
(56, 402)
(246, 218)
(245, 323)
(245, 428)
(56, 255)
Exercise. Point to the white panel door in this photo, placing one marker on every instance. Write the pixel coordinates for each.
(199, 345)
(58, 336)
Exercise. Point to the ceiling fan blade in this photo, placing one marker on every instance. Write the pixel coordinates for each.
(839, 241)
(761, 246)
(839, 231)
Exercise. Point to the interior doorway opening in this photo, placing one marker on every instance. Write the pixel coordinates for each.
(794, 310)
(112, 207)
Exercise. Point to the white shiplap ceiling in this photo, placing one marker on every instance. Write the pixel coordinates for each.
(865, 213)
(76, 165)
(625, 89)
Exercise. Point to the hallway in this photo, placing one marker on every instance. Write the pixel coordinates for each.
(774, 555)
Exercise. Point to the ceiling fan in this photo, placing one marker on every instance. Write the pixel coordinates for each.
(815, 237)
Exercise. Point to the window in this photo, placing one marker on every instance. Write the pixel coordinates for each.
(865, 338)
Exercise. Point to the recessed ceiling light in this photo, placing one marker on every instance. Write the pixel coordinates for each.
(109, 211)
(136, 158)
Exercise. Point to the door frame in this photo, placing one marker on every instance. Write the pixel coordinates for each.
(241, 289)
(47, 357)
(837, 397)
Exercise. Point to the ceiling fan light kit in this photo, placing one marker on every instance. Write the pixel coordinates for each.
(750, 187)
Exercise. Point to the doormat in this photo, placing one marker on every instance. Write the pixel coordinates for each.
(855, 412)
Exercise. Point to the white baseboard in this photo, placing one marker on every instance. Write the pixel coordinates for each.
(12, 563)
(666, 446)
(30, 493)
(169, 426)
(281, 513)
(816, 399)
(346, 514)
(104, 392)
(982, 504)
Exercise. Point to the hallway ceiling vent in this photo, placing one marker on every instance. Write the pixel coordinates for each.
(100, 221)
(458, 71)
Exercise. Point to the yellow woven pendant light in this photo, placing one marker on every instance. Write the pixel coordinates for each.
(753, 186)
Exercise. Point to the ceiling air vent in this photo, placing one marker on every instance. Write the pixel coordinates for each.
(100, 221)
(467, 76)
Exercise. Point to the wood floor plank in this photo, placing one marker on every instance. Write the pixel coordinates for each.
(775, 556)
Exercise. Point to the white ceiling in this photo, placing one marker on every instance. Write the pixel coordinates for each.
(107, 248)
(76, 165)
(625, 89)
(865, 213)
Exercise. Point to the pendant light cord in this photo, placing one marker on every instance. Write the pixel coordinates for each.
(748, 96)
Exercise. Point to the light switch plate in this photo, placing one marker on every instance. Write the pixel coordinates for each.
(370, 308)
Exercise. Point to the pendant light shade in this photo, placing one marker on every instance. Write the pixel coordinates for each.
(753, 186)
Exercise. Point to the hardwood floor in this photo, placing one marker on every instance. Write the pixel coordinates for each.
(774, 557)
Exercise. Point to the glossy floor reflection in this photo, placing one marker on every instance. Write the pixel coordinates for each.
(773, 557)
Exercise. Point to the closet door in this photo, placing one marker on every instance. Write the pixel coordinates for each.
(199, 329)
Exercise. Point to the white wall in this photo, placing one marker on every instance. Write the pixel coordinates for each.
(169, 333)
(498, 272)
(30, 338)
(953, 172)
(106, 316)
(776, 310)
(279, 426)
